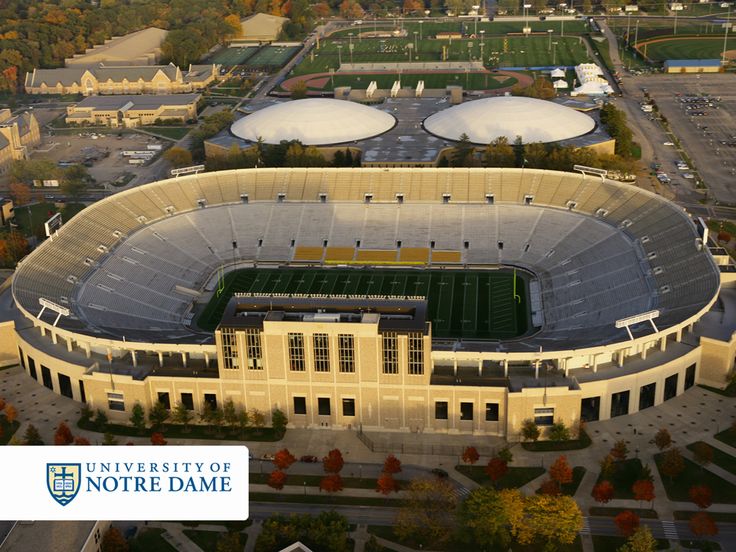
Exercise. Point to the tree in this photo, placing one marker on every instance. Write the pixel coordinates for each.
(672, 463)
(100, 420)
(2, 404)
(279, 421)
(283, 459)
(529, 430)
(229, 413)
(299, 90)
(11, 414)
(158, 414)
(603, 492)
(333, 462)
(550, 487)
(32, 436)
(331, 483)
(560, 471)
(703, 453)
(559, 431)
(257, 418)
(229, 542)
(326, 531)
(74, 181)
(181, 415)
(553, 520)
(462, 153)
(506, 455)
(386, 484)
(392, 464)
(627, 523)
(13, 247)
(486, 518)
(81, 441)
(701, 496)
(470, 455)
(643, 490)
(372, 545)
(499, 153)
(109, 439)
(277, 479)
(607, 466)
(138, 417)
(641, 541)
(157, 438)
(663, 439)
(114, 541)
(496, 469)
(243, 420)
(20, 193)
(428, 512)
(619, 450)
(178, 157)
(702, 525)
(63, 435)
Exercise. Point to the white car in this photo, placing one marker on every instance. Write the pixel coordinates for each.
(668, 143)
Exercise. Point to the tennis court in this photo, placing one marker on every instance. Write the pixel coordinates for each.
(461, 304)
(273, 56)
(234, 56)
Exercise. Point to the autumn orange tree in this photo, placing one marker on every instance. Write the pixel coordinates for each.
(627, 523)
(283, 459)
(703, 525)
(391, 464)
(331, 483)
(550, 487)
(619, 450)
(81, 441)
(672, 463)
(277, 479)
(701, 496)
(603, 492)
(63, 435)
(386, 484)
(470, 455)
(11, 414)
(496, 469)
(333, 462)
(560, 471)
(643, 490)
(157, 438)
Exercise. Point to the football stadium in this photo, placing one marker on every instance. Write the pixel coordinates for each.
(437, 300)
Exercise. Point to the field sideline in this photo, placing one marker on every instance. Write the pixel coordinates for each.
(466, 304)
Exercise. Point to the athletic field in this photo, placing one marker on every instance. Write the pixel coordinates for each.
(272, 56)
(471, 81)
(467, 27)
(461, 303)
(234, 56)
(685, 48)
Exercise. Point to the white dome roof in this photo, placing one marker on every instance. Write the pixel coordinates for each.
(511, 116)
(314, 121)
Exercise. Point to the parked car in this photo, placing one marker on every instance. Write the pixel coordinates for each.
(308, 458)
(267, 456)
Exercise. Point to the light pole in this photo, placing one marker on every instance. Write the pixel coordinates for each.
(727, 25)
(416, 48)
(339, 56)
(482, 44)
(549, 42)
(554, 53)
(409, 48)
(360, 35)
(351, 52)
(421, 37)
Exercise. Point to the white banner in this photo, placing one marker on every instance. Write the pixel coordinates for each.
(114, 483)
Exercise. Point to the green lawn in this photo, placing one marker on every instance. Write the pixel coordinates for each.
(687, 48)
(469, 304)
(577, 476)
(31, 218)
(602, 543)
(207, 540)
(720, 458)
(467, 26)
(325, 499)
(677, 489)
(514, 478)
(272, 56)
(150, 540)
(613, 512)
(173, 132)
(470, 81)
(624, 476)
(8, 430)
(727, 436)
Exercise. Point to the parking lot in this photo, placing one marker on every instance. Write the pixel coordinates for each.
(101, 152)
(705, 126)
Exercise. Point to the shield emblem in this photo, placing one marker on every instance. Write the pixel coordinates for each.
(63, 481)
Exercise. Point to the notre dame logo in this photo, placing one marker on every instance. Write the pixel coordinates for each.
(63, 481)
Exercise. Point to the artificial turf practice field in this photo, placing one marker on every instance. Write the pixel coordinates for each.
(469, 304)
(685, 48)
(234, 56)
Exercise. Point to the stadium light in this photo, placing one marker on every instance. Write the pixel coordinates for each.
(58, 309)
(636, 319)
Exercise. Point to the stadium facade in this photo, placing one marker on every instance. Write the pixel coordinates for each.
(106, 308)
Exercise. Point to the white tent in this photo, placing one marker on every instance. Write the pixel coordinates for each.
(557, 73)
(560, 84)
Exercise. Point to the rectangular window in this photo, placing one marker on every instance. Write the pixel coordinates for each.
(544, 416)
(211, 399)
(323, 406)
(253, 349)
(348, 407)
(390, 353)
(46, 376)
(321, 344)
(346, 352)
(187, 399)
(466, 411)
(300, 405)
(646, 396)
(440, 410)
(690, 376)
(296, 351)
(590, 409)
(65, 385)
(163, 398)
(670, 387)
(32, 368)
(491, 412)
(416, 354)
(229, 349)
(115, 401)
(619, 404)
(22, 360)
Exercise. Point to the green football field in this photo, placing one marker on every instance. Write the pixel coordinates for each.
(470, 304)
(687, 48)
(272, 56)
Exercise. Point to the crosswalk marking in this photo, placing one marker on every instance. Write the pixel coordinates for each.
(586, 527)
(462, 492)
(670, 530)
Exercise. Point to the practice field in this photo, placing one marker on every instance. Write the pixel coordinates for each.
(234, 56)
(685, 48)
(471, 81)
(467, 27)
(273, 56)
(461, 303)
(531, 51)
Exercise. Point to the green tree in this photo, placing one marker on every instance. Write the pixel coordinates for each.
(158, 414)
(641, 541)
(229, 542)
(32, 436)
(529, 430)
(326, 531)
(138, 417)
(109, 439)
(74, 181)
(178, 157)
(299, 90)
(100, 420)
(279, 421)
(256, 417)
(558, 431)
(181, 415)
(243, 420)
(506, 455)
(428, 514)
(499, 153)
(230, 414)
(462, 154)
(484, 521)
